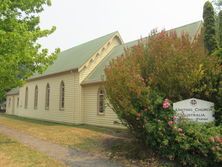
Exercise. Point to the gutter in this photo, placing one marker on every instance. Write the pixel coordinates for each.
(85, 83)
(48, 75)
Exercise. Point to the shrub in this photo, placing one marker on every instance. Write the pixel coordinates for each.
(167, 66)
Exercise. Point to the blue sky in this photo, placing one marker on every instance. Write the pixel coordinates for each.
(79, 21)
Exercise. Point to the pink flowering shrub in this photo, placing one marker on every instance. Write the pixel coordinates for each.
(142, 84)
(191, 143)
(166, 104)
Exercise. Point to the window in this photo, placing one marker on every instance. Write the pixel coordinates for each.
(62, 96)
(17, 102)
(47, 96)
(26, 97)
(36, 98)
(101, 101)
(9, 102)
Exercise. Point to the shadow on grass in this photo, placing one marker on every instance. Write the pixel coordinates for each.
(111, 131)
(5, 140)
(35, 121)
(135, 152)
(88, 145)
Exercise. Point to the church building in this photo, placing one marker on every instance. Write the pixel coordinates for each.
(71, 89)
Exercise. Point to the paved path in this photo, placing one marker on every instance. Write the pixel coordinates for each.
(71, 157)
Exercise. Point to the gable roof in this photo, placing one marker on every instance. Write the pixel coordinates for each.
(192, 29)
(75, 57)
(97, 75)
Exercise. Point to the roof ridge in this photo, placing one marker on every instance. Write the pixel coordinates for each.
(185, 25)
(89, 41)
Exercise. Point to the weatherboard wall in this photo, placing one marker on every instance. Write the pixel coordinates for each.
(91, 116)
(77, 102)
(12, 108)
(53, 113)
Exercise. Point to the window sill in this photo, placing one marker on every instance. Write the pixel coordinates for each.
(100, 114)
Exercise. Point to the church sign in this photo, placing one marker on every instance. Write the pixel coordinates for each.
(195, 110)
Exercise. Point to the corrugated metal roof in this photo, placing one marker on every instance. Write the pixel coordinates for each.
(75, 57)
(97, 75)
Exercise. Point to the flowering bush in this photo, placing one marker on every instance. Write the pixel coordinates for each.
(191, 143)
(142, 83)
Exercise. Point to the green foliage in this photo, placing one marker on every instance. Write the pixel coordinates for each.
(220, 28)
(167, 66)
(217, 4)
(209, 27)
(20, 54)
(191, 144)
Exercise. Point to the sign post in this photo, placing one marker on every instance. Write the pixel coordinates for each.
(195, 110)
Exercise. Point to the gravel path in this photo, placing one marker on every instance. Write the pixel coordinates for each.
(71, 157)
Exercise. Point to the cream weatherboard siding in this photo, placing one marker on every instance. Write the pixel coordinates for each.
(77, 102)
(16, 104)
(53, 113)
(91, 116)
(11, 104)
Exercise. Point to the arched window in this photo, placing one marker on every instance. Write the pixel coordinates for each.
(47, 96)
(17, 102)
(9, 102)
(101, 101)
(26, 97)
(62, 96)
(36, 97)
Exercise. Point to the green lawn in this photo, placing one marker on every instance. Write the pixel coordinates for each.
(14, 154)
(114, 143)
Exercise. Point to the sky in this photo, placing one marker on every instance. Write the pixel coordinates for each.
(78, 21)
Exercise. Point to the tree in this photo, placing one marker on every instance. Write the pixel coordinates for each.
(142, 83)
(209, 27)
(172, 66)
(217, 4)
(20, 53)
(220, 29)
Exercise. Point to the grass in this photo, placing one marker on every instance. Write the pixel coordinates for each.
(88, 138)
(114, 143)
(14, 154)
(82, 137)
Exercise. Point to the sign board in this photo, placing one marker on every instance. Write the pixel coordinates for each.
(195, 109)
